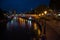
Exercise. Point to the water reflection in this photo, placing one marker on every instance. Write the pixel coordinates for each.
(28, 27)
(29, 23)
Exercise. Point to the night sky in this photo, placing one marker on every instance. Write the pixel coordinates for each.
(21, 5)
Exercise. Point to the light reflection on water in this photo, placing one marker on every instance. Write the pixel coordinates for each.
(22, 23)
(29, 23)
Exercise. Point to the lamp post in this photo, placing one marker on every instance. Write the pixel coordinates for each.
(45, 12)
(44, 27)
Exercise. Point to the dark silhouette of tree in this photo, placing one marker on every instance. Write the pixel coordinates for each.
(2, 18)
(55, 4)
(3, 24)
(41, 8)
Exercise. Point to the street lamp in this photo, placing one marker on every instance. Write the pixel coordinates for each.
(39, 14)
(42, 14)
(44, 27)
(45, 12)
(58, 15)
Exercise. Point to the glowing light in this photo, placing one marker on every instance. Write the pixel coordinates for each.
(39, 14)
(42, 14)
(33, 15)
(21, 20)
(29, 23)
(39, 32)
(58, 14)
(30, 18)
(15, 17)
(45, 12)
(35, 26)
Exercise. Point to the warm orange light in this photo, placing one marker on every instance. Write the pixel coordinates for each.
(24, 21)
(35, 26)
(33, 15)
(45, 12)
(39, 32)
(39, 14)
(42, 14)
(21, 20)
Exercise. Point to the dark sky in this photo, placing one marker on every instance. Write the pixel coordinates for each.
(21, 5)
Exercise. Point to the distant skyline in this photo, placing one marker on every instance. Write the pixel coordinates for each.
(22, 5)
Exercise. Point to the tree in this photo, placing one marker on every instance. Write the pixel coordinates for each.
(54, 4)
(41, 8)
